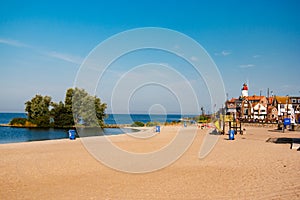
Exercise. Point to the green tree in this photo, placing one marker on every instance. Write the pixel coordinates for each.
(88, 110)
(38, 110)
(69, 101)
(78, 107)
(100, 110)
(60, 115)
(62, 112)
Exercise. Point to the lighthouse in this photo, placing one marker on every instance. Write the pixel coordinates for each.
(244, 90)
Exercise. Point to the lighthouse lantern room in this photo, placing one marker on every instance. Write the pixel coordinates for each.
(245, 90)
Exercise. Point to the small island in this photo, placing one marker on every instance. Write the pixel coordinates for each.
(42, 112)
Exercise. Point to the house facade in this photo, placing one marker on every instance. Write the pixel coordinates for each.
(231, 106)
(254, 108)
(295, 101)
(272, 113)
(259, 111)
(283, 105)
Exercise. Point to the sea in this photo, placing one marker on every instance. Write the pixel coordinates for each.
(14, 134)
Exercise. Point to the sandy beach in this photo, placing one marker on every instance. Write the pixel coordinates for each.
(245, 168)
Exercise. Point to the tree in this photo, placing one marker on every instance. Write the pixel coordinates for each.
(69, 101)
(79, 107)
(61, 117)
(88, 110)
(62, 112)
(38, 110)
(100, 110)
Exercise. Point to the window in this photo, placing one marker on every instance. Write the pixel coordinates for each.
(294, 100)
(298, 100)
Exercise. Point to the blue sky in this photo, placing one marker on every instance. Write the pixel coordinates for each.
(42, 43)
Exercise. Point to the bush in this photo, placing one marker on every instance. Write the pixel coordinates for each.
(152, 124)
(172, 123)
(137, 124)
(18, 121)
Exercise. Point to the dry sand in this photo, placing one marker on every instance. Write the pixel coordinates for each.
(246, 168)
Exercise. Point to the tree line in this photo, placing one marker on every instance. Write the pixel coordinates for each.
(78, 106)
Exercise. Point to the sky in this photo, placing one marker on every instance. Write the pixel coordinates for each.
(43, 45)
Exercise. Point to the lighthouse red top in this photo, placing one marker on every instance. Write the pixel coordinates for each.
(245, 87)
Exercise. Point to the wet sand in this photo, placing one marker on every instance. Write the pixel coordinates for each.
(245, 168)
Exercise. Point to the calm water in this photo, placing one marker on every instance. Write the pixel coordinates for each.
(130, 118)
(11, 134)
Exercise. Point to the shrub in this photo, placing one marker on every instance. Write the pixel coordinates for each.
(18, 121)
(172, 123)
(152, 124)
(137, 124)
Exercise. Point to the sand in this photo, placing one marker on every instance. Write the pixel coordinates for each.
(245, 168)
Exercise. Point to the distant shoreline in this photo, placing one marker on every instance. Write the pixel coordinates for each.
(18, 126)
(69, 127)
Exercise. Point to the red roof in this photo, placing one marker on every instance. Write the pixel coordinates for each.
(282, 99)
(233, 100)
(254, 98)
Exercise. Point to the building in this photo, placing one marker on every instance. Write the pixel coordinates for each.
(245, 90)
(254, 107)
(231, 106)
(272, 113)
(295, 101)
(283, 105)
(261, 108)
(259, 111)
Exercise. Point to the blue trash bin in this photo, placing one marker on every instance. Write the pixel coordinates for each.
(157, 129)
(287, 121)
(72, 134)
(231, 134)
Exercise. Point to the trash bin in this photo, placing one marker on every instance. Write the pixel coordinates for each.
(157, 129)
(231, 134)
(72, 134)
(184, 124)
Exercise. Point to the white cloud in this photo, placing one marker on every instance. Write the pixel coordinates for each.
(223, 53)
(53, 54)
(14, 43)
(64, 57)
(247, 66)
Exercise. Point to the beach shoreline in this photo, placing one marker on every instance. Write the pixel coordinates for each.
(245, 168)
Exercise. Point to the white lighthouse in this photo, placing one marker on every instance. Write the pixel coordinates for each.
(245, 90)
